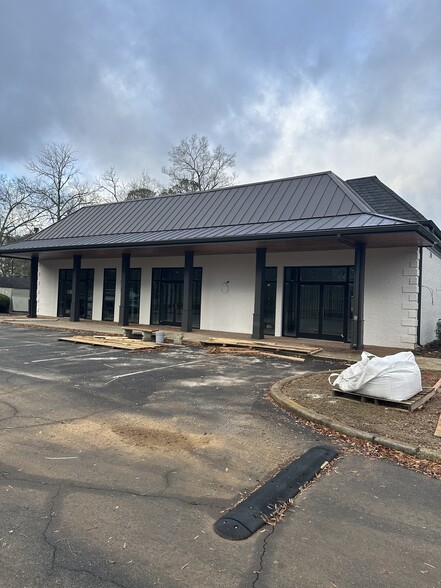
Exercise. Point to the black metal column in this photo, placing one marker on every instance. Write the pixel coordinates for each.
(33, 287)
(359, 276)
(258, 316)
(187, 303)
(75, 303)
(124, 296)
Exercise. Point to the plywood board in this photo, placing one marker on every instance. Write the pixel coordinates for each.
(113, 342)
(261, 345)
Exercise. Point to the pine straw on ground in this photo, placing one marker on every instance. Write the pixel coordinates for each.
(416, 428)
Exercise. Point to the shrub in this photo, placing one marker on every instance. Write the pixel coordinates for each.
(438, 329)
(4, 303)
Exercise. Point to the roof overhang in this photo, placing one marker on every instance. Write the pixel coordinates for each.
(411, 235)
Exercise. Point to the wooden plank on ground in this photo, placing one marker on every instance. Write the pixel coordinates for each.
(412, 404)
(242, 351)
(113, 342)
(252, 344)
(438, 428)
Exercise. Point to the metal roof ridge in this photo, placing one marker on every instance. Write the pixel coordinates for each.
(196, 193)
(351, 193)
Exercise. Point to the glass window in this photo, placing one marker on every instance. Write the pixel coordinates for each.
(323, 274)
(134, 294)
(109, 287)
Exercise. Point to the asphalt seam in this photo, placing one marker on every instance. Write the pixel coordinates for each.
(311, 415)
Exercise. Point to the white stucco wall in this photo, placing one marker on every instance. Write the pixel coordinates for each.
(227, 299)
(47, 294)
(430, 295)
(391, 291)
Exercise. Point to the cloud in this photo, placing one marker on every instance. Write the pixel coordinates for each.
(291, 86)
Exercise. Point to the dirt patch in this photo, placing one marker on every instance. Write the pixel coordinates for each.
(136, 434)
(416, 428)
(159, 438)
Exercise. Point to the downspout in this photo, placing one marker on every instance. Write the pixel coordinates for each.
(420, 289)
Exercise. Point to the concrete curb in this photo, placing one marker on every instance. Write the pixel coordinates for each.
(315, 417)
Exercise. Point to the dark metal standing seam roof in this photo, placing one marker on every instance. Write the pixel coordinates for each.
(284, 208)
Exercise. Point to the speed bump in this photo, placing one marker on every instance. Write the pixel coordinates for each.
(251, 514)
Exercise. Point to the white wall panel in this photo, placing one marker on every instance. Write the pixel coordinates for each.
(430, 295)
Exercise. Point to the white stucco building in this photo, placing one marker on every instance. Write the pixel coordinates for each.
(310, 256)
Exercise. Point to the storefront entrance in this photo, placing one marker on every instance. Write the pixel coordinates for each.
(65, 293)
(317, 302)
(167, 296)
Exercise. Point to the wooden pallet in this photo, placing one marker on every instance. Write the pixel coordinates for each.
(113, 342)
(251, 344)
(412, 404)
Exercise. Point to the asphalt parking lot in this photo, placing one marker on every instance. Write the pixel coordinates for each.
(115, 466)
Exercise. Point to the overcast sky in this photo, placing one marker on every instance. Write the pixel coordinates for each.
(290, 86)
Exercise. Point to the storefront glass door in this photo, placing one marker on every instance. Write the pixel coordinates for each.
(316, 302)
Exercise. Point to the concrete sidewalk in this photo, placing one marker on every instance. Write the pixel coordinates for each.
(331, 350)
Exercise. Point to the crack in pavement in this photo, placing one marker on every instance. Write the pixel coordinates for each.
(64, 490)
(66, 420)
(55, 549)
(262, 555)
(14, 409)
(46, 530)
(104, 490)
(93, 574)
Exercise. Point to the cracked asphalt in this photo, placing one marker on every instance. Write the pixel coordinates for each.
(115, 465)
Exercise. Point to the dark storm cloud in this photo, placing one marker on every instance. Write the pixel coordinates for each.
(288, 85)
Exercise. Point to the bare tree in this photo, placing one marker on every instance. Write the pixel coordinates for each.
(58, 182)
(194, 166)
(20, 209)
(111, 187)
(143, 187)
(19, 216)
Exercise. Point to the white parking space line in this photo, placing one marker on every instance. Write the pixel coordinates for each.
(20, 345)
(163, 367)
(60, 357)
(50, 377)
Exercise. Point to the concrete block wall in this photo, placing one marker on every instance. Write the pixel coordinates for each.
(391, 297)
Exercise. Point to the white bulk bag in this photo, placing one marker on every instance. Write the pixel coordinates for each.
(393, 377)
